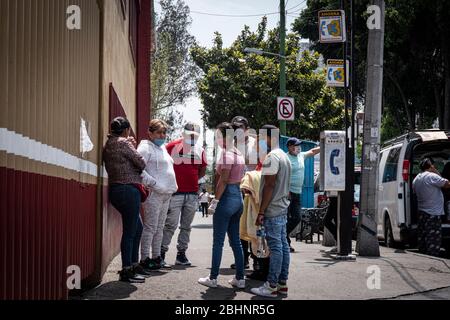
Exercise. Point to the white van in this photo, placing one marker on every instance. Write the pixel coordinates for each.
(399, 165)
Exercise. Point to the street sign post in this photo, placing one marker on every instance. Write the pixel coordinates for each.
(332, 26)
(285, 109)
(335, 73)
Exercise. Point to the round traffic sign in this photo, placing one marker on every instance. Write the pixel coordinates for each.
(285, 108)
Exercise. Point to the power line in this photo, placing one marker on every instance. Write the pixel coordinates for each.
(296, 5)
(234, 15)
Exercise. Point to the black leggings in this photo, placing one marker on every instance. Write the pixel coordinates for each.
(204, 209)
(330, 220)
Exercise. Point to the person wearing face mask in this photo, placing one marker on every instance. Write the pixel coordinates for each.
(297, 159)
(159, 176)
(274, 203)
(190, 166)
(230, 171)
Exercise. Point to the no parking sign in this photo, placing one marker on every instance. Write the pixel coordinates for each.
(285, 108)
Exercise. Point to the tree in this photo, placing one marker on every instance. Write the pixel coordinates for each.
(237, 84)
(417, 59)
(174, 74)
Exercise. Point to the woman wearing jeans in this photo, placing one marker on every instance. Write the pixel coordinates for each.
(124, 166)
(230, 171)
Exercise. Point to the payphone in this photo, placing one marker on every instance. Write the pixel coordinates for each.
(332, 160)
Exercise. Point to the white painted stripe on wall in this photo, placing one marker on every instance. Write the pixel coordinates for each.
(17, 144)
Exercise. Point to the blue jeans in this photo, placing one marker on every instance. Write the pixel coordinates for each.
(127, 200)
(226, 220)
(279, 248)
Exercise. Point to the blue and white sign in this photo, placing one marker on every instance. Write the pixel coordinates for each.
(335, 73)
(332, 160)
(332, 26)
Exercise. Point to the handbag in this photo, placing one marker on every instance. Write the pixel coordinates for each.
(143, 191)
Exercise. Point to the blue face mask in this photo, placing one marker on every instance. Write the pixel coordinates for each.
(263, 146)
(159, 142)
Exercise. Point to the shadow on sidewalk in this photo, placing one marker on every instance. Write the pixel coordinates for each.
(219, 293)
(115, 290)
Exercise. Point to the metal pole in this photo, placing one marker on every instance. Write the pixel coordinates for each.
(367, 243)
(346, 197)
(282, 59)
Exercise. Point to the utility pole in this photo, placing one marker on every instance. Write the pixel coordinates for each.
(346, 198)
(282, 59)
(367, 244)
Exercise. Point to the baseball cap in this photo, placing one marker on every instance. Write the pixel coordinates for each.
(293, 142)
(192, 128)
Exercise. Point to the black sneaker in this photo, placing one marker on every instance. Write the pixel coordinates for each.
(163, 255)
(182, 260)
(162, 263)
(246, 266)
(128, 275)
(141, 271)
(255, 275)
(150, 264)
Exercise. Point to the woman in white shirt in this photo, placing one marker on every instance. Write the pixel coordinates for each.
(159, 176)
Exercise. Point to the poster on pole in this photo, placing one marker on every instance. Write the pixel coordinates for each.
(335, 73)
(285, 108)
(332, 26)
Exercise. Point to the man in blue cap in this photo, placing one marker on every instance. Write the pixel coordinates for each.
(297, 159)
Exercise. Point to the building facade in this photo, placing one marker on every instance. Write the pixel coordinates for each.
(67, 68)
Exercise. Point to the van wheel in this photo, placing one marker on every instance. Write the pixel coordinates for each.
(388, 235)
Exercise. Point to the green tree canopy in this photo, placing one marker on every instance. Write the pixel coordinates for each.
(417, 59)
(234, 83)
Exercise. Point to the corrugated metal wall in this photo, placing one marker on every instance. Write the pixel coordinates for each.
(49, 80)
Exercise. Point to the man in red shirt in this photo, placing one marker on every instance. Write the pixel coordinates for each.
(190, 166)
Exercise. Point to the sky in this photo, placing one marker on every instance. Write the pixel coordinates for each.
(204, 25)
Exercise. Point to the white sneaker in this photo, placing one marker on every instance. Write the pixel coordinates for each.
(212, 283)
(266, 291)
(237, 283)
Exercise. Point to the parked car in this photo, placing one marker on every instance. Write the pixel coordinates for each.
(399, 165)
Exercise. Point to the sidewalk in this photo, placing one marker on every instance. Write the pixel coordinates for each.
(313, 275)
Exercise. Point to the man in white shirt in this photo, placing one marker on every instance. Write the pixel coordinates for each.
(430, 205)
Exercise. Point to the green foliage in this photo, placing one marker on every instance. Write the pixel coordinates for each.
(416, 54)
(234, 83)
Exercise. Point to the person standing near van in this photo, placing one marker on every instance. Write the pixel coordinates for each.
(297, 159)
(430, 204)
(158, 176)
(190, 166)
(446, 175)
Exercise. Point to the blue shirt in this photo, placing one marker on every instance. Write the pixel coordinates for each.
(298, 171)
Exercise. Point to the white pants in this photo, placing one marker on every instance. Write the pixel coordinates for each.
(154, 218)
